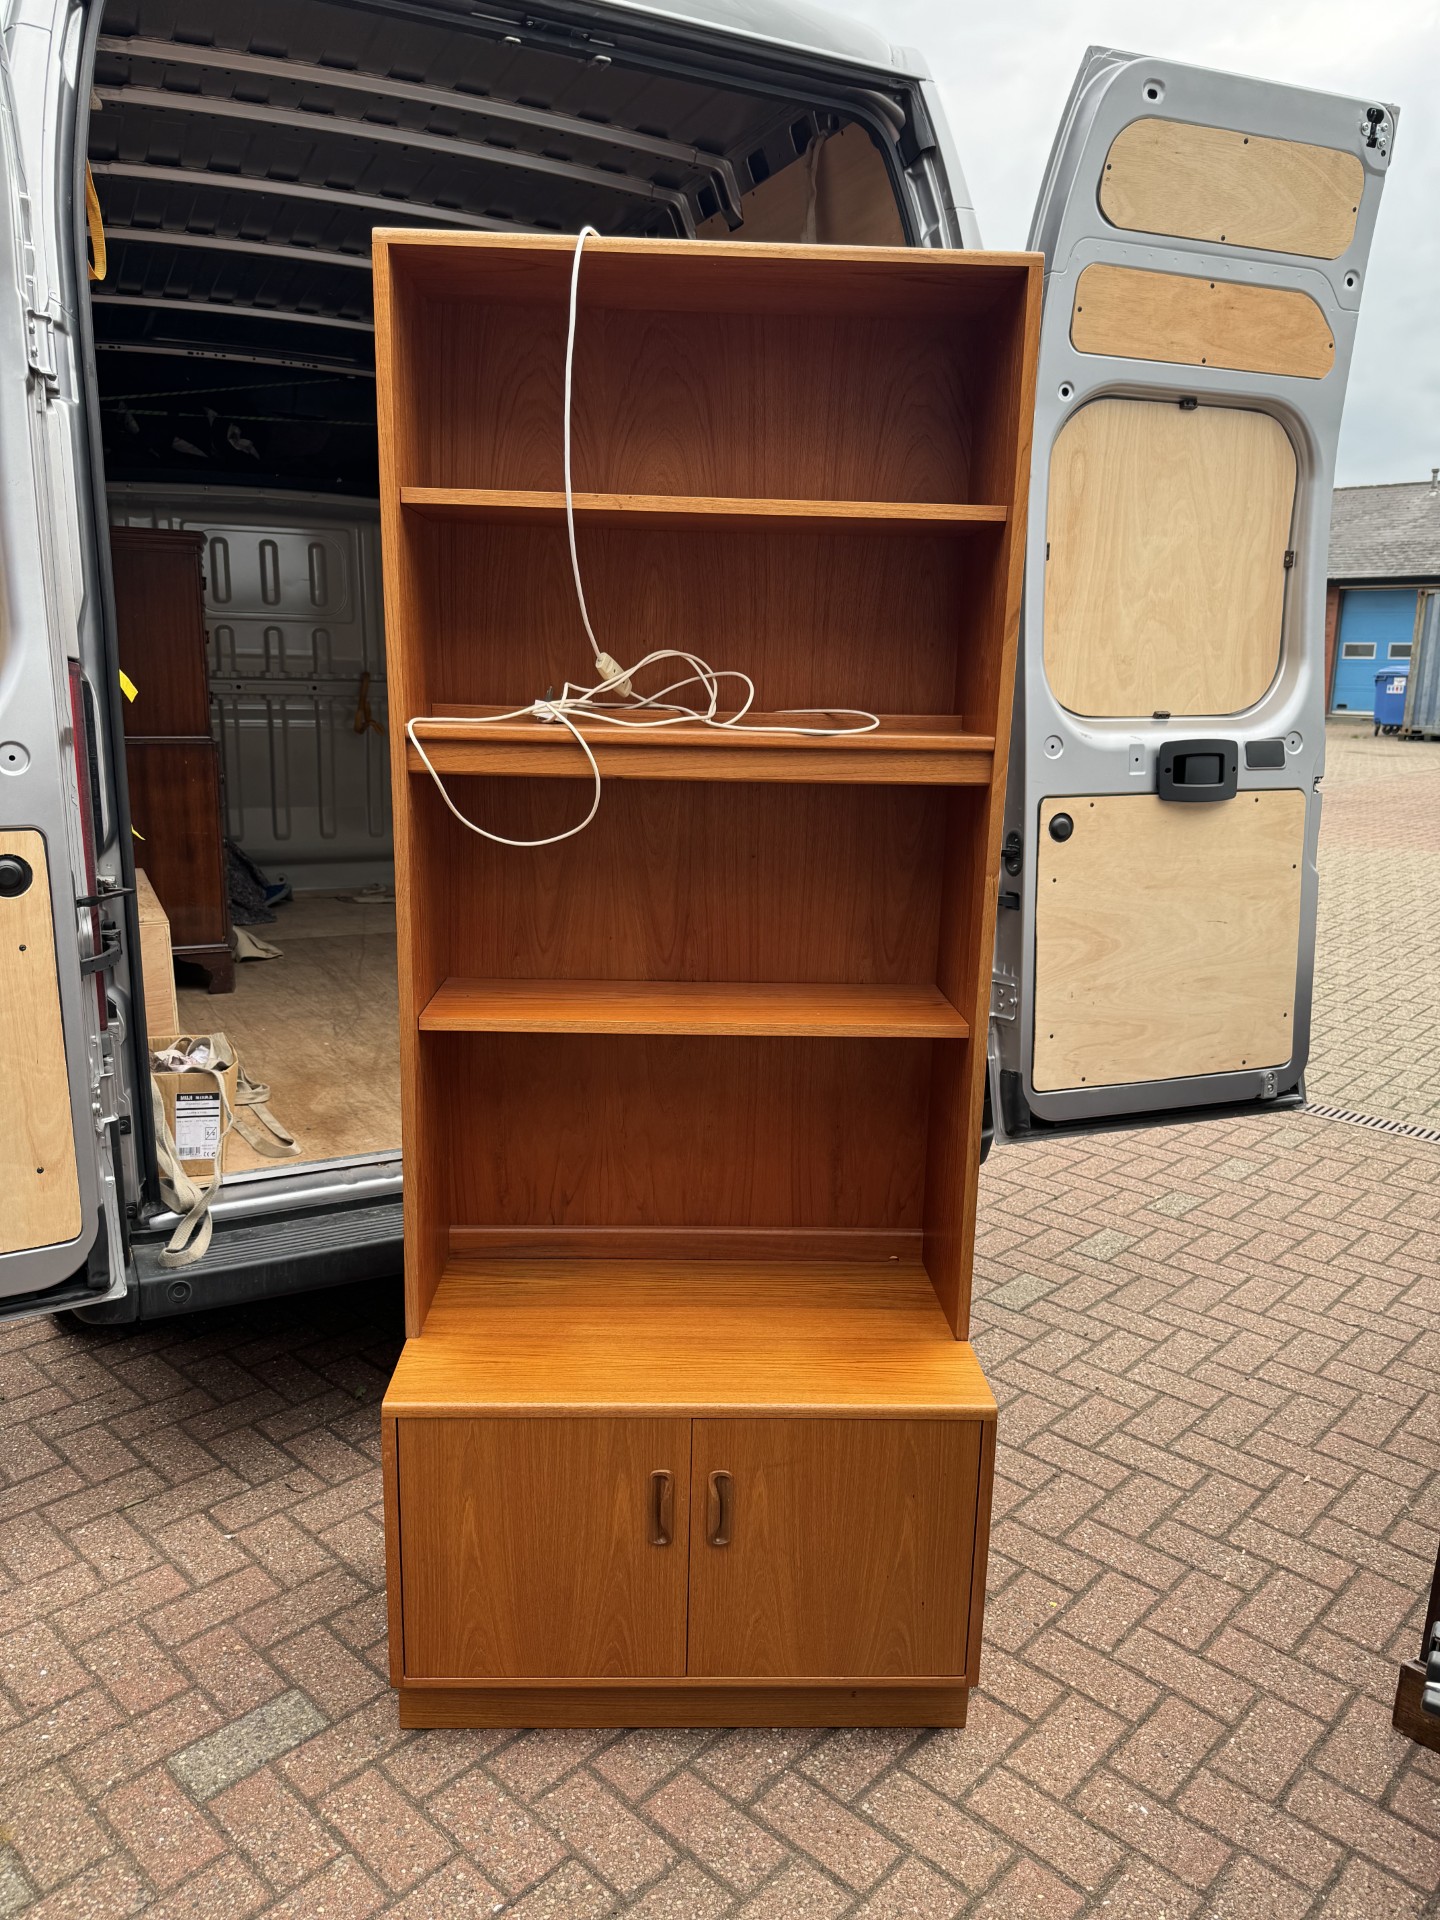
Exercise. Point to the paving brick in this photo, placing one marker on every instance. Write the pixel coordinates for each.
(1028, 1892)
(37, 1669)
(110, 1890)
(844, 1845)
(341, 1891)
(1143, 1891)
(1248, 1891)
(598, 1825)
(962, 1846)
(456, 1892)
(1260, 1829)
(1363, 1892)
(726, 1841)
(48, 1826)
(1035, 1821)
(913, 1892)
(845, 1762)
(1167, 1747)
(569, 1894)
(228, 1890)
(741, 1761)
(165, 1833)
(1169, 1840)
(1367, 1829)
(277, 1833)
(508, 1842)
(130, 1664)
(535, 1761)
(232, 1751)
(393, 1839)
(1066, 1745)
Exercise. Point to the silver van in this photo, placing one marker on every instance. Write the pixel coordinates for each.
(187, 351)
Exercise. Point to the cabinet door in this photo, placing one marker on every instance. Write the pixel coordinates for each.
(831, 1548)
(529, 1549)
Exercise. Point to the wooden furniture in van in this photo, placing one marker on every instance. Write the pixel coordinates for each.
(687, 1429)
(172, 760)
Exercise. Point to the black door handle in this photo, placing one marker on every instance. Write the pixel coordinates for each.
(1197, 769)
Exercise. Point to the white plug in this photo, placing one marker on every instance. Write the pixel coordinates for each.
(614, 675)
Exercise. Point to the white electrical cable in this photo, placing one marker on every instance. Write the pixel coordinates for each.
(627, 708)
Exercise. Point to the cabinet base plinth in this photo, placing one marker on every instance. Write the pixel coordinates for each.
(684, 1704)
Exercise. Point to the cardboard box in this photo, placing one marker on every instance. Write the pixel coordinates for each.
(157, 963)
(194, 1112)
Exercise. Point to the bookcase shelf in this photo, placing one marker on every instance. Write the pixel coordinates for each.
(906, 750)
(691, 1110)
(540, 508)
(692, 1007)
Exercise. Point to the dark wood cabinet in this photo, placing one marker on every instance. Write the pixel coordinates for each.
(172, 761)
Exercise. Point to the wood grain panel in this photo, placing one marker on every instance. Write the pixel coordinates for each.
(686, 1703)
(534, 508)
(160, 629)
(175, 804)
(697, 276)
(891, 1502)
(1138, 315)
(1165, 582)
(766, 406)
(1166, 938)
(788, 1335)
(696, 882)
(1214, 183)
(691, 1007)
(818, 619)
(590, 1130)
(525, 1548)
(39, 1180)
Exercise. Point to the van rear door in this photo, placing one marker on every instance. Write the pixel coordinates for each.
(61, 1232)
(1205, 240)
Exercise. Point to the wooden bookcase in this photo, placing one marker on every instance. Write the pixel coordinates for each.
(686, 1429)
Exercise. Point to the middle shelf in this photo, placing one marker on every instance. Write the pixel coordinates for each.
(732, 514)
(788, 1009)
(907, 749)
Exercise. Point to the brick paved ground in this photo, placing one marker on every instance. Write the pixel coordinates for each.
(1217, 1504)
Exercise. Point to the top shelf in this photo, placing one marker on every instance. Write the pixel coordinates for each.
(506, 505)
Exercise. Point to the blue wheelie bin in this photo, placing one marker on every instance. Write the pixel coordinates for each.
(1390, 701)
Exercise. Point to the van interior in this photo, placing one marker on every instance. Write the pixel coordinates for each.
(240, 156)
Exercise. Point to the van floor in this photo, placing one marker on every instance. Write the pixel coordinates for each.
(319, 1026)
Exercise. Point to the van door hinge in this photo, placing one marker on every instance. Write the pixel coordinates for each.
(1004, 997)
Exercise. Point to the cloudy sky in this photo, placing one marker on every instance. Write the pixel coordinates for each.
(1006, 68)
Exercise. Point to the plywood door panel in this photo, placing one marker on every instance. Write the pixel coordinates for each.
(592, 1130)
(1135, 314)
(39, 1182)
(526, 1548)
(1214, 183)
(1166, 937)
(1165, 582)
(850, 1547)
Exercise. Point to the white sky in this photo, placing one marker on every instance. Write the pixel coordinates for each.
(1005, 69)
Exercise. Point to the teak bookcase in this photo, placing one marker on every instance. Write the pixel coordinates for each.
(686, 1430)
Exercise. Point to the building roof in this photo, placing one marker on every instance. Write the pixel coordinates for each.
(1386, 533)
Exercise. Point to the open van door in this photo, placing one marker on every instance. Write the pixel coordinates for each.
(1205, 241)
(61, 1226)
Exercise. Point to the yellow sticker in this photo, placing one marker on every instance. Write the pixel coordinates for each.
(127, 685)
(137, 833)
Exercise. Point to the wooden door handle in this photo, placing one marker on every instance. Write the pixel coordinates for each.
(661, 1508)
(721, 1488)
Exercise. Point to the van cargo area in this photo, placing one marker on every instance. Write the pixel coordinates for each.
(241, 155)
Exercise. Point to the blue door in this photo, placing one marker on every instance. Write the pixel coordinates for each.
(1377, 630)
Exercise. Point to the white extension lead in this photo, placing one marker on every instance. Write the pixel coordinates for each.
(613, 700)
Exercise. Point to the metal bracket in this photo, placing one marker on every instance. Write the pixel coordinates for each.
(41, 351)
(1004, 997)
